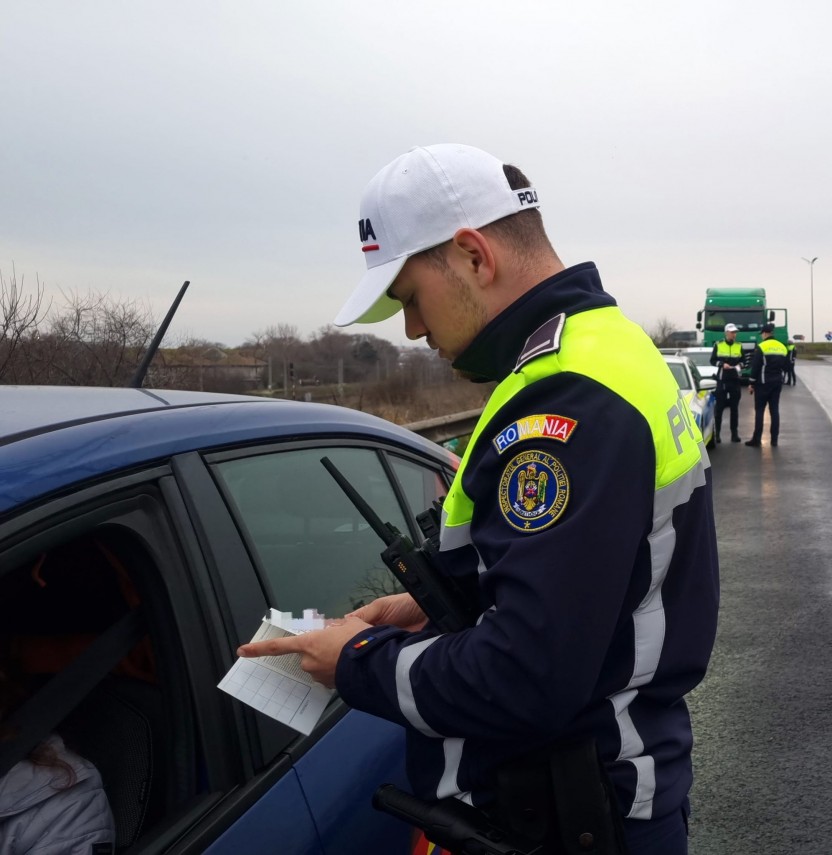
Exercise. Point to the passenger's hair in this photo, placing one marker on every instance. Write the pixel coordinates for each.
(521, 233)
(12, 695)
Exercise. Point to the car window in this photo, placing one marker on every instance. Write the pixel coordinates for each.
(697, 377)
(420, 485)
(680, 375)
(315, 549)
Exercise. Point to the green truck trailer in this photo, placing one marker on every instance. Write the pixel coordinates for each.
(747, 309)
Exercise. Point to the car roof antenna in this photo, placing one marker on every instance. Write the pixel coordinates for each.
(138, 377)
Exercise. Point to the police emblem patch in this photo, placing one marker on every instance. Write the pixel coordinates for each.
(534, 491)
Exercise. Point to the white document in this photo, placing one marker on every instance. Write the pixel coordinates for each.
(277, 685)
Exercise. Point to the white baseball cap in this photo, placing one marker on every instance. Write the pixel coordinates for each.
(419, 201)
(731, 328)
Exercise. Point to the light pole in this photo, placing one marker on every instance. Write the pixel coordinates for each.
(811, 263)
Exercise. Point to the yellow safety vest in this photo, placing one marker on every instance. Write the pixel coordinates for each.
(728, 351)
(638, 375)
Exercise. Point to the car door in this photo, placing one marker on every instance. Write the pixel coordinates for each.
(111, 607)
(312, 550)
(180, 550)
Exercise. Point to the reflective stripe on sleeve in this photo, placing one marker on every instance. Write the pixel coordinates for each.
(404, 688)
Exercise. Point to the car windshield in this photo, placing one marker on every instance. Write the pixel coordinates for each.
(745, 319)
(703, 358)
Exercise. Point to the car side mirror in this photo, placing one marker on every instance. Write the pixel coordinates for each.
(707, 383)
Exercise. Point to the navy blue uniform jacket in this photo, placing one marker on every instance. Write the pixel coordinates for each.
(580, 636)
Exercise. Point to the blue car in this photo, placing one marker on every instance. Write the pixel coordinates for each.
(143, 536)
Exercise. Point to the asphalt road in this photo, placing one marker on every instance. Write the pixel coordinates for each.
(763, 715)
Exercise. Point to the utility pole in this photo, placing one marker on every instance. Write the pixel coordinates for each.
(811, 263)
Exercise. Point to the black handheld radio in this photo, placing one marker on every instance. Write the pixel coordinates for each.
(437, 594)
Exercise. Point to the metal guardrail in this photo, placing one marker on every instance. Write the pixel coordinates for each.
(443, 428)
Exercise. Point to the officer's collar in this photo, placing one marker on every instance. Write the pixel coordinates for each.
(493, 354)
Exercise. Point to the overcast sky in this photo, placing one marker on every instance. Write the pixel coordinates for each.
(679, 146)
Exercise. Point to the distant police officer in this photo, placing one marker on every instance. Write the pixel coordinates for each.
(727, 355)
(580, 517)
(768, 362)
(791, 380)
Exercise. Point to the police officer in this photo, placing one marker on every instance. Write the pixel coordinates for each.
(727, 355)
(791, 380)
(581, 512)
(768, 362)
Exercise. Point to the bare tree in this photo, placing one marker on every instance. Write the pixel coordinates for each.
(374, 358)
(97, 340)
(661, 332)
(377, 582)
(278, 346)
(273, 339)
(20, 316)
(329, 347)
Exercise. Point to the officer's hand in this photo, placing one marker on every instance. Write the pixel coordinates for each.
(319, 650)
(398, 610)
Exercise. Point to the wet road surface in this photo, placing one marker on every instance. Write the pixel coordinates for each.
(763, 716)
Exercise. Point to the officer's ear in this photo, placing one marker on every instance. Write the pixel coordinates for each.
(472, 255)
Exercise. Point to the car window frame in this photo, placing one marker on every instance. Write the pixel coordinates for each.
(209, 487)
(140, 504)
(383, 451)
(313, 546)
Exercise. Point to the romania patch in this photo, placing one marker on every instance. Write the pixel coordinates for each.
(541, 426)
(534, 490)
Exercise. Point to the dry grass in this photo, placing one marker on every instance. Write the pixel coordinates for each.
(401, 400)
(429, 402)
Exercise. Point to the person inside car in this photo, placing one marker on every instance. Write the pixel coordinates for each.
(52, 802)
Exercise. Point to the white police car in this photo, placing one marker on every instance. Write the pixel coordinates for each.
(143, 536)
(698, 391)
